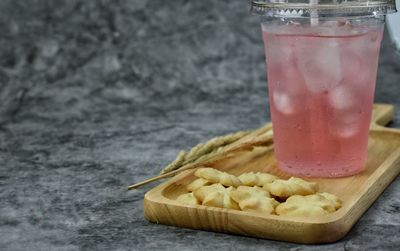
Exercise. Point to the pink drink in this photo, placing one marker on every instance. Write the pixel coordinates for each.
(321, 86)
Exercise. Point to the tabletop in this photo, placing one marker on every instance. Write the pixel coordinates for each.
(97, 95)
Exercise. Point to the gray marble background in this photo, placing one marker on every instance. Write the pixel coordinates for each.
(96, 95)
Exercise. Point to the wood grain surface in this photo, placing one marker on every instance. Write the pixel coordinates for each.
(357, 192)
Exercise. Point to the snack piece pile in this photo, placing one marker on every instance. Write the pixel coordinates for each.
(258, 192)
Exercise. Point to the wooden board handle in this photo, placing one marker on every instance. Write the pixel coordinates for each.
(382, 114)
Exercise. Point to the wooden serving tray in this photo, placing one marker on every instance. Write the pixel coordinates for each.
(357, 193)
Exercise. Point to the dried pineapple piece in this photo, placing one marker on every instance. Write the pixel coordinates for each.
(216, 176)
(337, 203)
(216, 195)
(254, 199)
(292, 186)
(256, 179)
(309, 205)
(202, 192)
(197, 183)
(188, 198)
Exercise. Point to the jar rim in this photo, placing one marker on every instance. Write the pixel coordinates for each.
(326, 8)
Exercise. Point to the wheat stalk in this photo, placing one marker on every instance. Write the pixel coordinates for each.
(214, 150)
(202, 149)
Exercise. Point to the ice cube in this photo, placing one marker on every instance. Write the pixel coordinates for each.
(355, 71)
(350, 116)
(342, 97)
(279, 55)
(346, 130)
(319, 62)
(345, 124)
(365, 45)
(283, 102)
(279, 50)
(291, 81)
(346, 104)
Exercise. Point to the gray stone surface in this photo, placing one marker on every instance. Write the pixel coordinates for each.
(96, 95)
